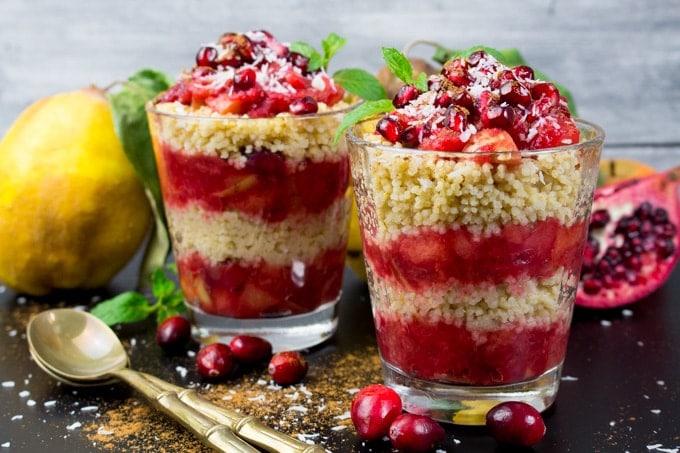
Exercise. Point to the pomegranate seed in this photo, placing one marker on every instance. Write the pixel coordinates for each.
(523, 72)
(244, 79)
(410, 137)
(455, 118)
(498, 116)
(415, 433)
(515, 423)
(405, 95)
(456, 71)
(599, 218)
(591, 286)
(250, 349)
(287, 367)
(475, 57)
(373, 410)
(443, 99)
(665, 248)
(514, 93)
(303, 106)
(214, 361)
(546, 90)
(463, 98)
(299, 61)
(389, 128)
(206, 56)
(644, 211)
(173, 334)
(660, 216)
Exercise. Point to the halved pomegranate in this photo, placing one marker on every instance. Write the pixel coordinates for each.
(632, 244)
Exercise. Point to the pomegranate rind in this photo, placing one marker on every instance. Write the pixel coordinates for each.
(659, 189)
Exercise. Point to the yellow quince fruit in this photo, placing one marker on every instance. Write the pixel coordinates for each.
(72, 210)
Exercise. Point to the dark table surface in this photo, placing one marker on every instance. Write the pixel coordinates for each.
(620, 389)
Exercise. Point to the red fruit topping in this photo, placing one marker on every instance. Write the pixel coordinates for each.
(287, 367)
(252, 73)
(389, 128)
(173, 334)
(479, 93)
(373, 410)
(250, 349)
(214, 361)
(515, 423)
(632, 242)
(415, 433)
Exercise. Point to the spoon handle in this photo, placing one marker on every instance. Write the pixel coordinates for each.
(247, 427)
(211, 433)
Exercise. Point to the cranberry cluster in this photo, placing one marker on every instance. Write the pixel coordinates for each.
(478, 93)
(255, 74)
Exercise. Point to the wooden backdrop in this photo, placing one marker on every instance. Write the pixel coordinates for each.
(620, 58)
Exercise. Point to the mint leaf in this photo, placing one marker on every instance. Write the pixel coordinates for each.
(421, 82)
(126, 307)
(361, 112)
(132, 306)
(331, 45)
(398, 64)
(128, 101)
(360, 83)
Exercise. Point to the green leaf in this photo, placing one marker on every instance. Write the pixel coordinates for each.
(361, 112)
(162, 287)
(421, 82)
(128, 102)
(126, 307)
(398, 64)
(331, 45)
(360, 83)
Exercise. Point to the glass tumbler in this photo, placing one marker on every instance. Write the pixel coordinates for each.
(473, 260)
(258, 212)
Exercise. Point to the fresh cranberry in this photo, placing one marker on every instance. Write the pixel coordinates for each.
(373, 410)
(304, 106)
(287, 367)
(250, 349)
(515, 423)
(214, 361)
(389, 128)
(415, 433)
(245, 79)
(173, 334)
(206, 56)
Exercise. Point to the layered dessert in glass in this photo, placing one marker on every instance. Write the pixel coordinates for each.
(474, 197)
(255, 190)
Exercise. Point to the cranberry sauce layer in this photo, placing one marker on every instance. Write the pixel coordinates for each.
(267, 186)
(256, 75)
(448, 352)
(258, 289)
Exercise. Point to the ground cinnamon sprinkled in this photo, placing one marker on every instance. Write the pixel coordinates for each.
(315, 410)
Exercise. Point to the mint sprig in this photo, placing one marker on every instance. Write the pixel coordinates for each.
(133, 306)
(401, 67)
(359, 82)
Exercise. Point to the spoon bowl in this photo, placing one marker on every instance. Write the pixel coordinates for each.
(79, 349)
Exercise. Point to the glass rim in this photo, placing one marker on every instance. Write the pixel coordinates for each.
(150, 107)
(597, 138)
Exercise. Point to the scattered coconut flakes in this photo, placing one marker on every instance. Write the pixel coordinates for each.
(627, 312)
(660, 382)
(261, 382)
(292, 396)
(24, 393)
(31, 403)
(659, 447)
(353, 391)
(645, 397)
(612, 423)
(343, 416)
(260, 398)
(182, 371)
(569, 378)
(338, 428)
(302, 409)
(17, 417)
(50, 403)
(6, 444)
(13, 333)
(8, 384)
(640, 343)
(102, 430)
(73, 426)
(605, 323)
(655, 411)
(89, 409)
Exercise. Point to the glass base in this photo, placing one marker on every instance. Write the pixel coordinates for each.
(284, 333)
(466, 404)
